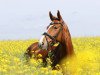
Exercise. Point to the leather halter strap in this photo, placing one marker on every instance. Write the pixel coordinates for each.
(53, 37)
(46, 34)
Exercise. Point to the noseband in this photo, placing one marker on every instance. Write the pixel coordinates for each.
(53, 37)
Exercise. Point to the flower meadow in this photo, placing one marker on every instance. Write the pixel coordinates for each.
(85, 62)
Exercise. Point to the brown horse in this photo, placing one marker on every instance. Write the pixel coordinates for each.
(57, 31)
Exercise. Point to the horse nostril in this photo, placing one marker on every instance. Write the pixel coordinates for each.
(42, 43)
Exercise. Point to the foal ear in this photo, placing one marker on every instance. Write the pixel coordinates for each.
(51, 16)
(59, 16)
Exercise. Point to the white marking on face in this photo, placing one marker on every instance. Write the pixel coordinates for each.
(43, 42)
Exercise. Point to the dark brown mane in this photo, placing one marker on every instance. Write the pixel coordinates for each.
(67, 40)
(58, 54)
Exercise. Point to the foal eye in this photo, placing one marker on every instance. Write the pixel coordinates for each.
(55, 27)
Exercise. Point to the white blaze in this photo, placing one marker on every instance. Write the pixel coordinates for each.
(43, 40)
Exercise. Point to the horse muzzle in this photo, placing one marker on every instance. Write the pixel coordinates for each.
(43, 43)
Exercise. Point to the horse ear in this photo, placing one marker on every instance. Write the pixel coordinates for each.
(59, 16)
(51, 16)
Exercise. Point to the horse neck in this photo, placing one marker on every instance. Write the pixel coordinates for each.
(66, 41)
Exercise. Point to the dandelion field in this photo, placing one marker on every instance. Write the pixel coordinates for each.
(86, 62)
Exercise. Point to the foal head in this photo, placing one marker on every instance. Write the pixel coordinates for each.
(54, 32)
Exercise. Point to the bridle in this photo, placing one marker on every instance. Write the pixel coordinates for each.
(53, 37)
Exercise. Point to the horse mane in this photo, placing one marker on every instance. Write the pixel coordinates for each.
(67, 40)
(58, 54)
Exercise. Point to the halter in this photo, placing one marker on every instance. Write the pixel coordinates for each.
(53, 37)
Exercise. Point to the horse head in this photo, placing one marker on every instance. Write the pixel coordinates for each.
(53, 33)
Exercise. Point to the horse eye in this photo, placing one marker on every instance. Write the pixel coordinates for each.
(55, 27)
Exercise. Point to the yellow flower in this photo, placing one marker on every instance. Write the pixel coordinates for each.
(16, 59)
(40, 60)
(54, 72)
(87, 59)
(39, 56)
